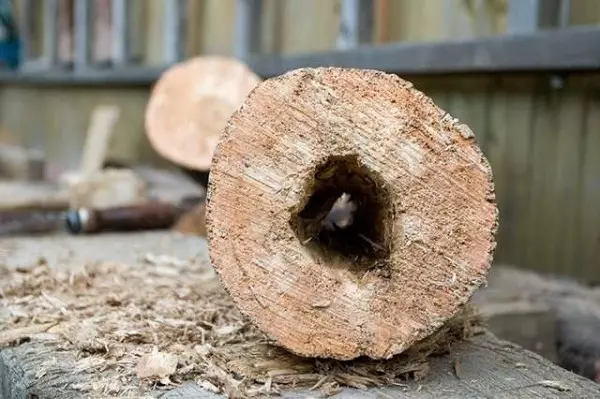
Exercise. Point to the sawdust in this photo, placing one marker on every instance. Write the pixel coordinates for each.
(166, 321)
(157, 365)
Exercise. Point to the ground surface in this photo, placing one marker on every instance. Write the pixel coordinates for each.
(41, 363)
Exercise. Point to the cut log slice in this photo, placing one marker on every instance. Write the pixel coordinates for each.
(348, 215)
(190, 105)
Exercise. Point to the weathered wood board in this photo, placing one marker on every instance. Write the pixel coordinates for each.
(568, 315)
(530, 325)
(482, 367)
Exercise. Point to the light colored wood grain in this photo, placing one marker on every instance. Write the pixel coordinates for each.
(98, 137)
(424, 162)
(62, 114)
(191, 104)
(486, 367)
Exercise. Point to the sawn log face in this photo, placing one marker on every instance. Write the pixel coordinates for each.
(423, 234)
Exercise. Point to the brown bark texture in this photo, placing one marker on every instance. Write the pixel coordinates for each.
(190, 105)
(419, 232)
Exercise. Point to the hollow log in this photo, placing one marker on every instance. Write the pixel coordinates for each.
(347, 214)
(190, 105)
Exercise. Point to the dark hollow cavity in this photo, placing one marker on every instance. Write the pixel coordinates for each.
(361, 240)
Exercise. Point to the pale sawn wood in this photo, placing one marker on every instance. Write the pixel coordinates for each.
(190, 105)
(442, 215)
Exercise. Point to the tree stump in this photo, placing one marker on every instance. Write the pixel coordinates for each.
(419, 231)
(190, 105)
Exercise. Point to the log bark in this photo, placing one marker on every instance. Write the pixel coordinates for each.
(421, 223)
(190, 105)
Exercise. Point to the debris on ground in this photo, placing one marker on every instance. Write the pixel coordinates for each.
(163, 328)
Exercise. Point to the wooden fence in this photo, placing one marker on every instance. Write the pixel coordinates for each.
(287, 26)
(541, 134)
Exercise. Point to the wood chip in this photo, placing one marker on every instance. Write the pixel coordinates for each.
(559, 386)
(55, 302)
(156, 365)
(165, 260)
(226, 330)
(321, 304)
(202, 350)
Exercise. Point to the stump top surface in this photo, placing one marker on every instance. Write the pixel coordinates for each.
(481, 368)
(425, 199)
(190, 105)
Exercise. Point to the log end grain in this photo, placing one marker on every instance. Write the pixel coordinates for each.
(418, 214)
(190, 105)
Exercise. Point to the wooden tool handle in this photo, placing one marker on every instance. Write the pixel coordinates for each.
(151, 216)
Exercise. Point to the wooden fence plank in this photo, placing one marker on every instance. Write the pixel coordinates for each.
(589, 246)
(541, 217)
(518, 162)
(568, 180)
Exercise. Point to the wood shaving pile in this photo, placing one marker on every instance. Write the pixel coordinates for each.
(153, 326)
